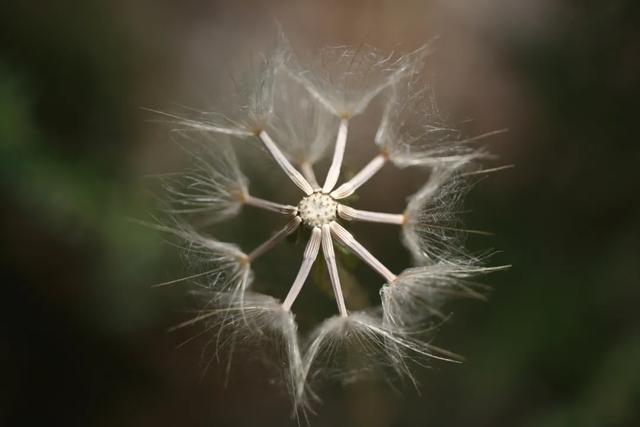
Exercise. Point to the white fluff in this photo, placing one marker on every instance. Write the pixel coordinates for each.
(302, 127)
(216, 265)
(345, 79)
(214, 188)
(297, 113)
(413, 132)
(347, 348)
(261, 323)
(418, 293)
(432, 230)
(252, 105)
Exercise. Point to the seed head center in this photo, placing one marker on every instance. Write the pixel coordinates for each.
(317, 209)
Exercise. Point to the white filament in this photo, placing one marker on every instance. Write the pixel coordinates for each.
(347, 239)
(310, 175)
(330, 258)
(289, 228)
(309, 257)
(269, 205)
(338, 156)
(348, 188)
(286, 166)
(351, 214)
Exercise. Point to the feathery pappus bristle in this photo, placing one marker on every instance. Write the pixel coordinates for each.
(345, 79)
(432, 230)
(348, 348)
(214, 188)
(413, 132)
(419, 293)
(258, 321)
(302, 127)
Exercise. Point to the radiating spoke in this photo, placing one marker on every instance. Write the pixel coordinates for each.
(269, 205)
(330, 258)
(351, 214)
(348, 240)
(338, 156)
(310, 175)
(486, 171)
(286, 166)
(309, 257)
(275, 239)
(482, 136)
(347, 189)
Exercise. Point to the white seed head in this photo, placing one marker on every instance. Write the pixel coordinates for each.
(317, 209)
(297, 114)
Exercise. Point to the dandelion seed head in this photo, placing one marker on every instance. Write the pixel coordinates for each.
(296, 110)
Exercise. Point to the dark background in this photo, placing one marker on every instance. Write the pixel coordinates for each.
(83, 337)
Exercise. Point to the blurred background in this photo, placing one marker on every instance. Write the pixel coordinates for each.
(83, 336)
